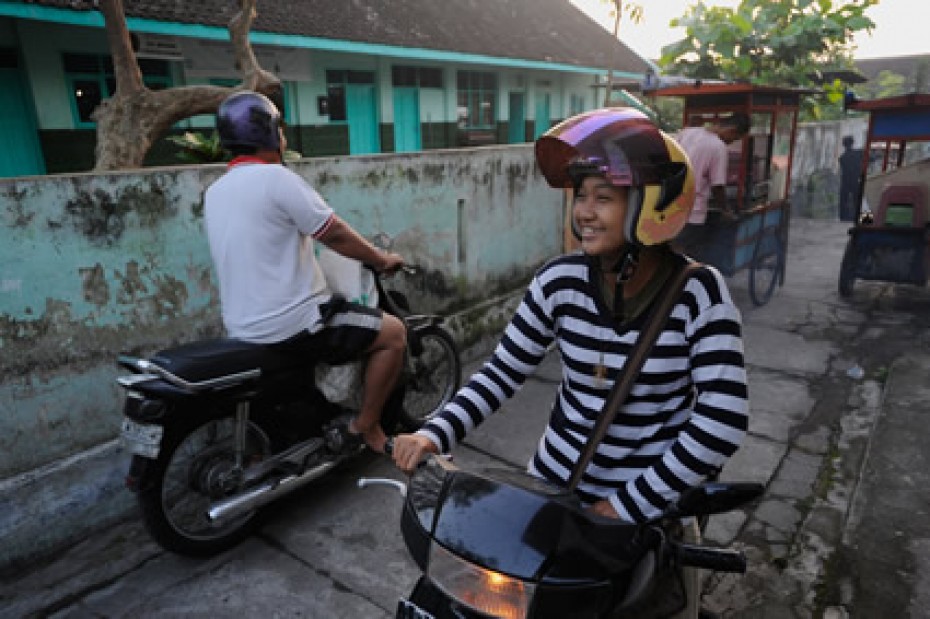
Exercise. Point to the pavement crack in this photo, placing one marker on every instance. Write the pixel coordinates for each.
(75, 598)
(337, 583)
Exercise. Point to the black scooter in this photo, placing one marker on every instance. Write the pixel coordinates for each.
(219, 428)
(500, 543)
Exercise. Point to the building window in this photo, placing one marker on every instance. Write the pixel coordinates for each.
(336, 82)
(477, 96)
(423, 77)
(575, 105)
(90, 80)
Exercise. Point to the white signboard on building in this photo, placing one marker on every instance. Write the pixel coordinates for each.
(216, 59)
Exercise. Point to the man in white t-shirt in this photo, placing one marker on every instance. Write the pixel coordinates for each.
(261, 221)
(706, 148)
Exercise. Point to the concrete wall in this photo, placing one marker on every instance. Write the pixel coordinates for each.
(815, 173)
(94, 265)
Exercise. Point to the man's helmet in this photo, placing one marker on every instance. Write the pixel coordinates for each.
(624, 146)
(247, 121)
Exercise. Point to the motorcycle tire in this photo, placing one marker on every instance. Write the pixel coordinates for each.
(194, 468)
(434, 377)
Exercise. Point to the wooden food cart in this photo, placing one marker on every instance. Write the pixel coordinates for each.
(758, 183)
(891, 240)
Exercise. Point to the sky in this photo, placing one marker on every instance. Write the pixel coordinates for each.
(900, 28)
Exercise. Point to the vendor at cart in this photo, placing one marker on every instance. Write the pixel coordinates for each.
(706, 147)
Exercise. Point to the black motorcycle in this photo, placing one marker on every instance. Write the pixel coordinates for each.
(500, 543)
(219, 428)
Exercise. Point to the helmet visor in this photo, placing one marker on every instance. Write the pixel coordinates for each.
(621, 144)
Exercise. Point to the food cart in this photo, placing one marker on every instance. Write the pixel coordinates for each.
(890, 240)
(758, 179)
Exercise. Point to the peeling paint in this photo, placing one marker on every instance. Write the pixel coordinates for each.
(131, 284)
(17, 215)
(101, 217)
(95, 286)
(97, 265)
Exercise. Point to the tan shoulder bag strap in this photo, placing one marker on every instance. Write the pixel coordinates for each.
(631, 369)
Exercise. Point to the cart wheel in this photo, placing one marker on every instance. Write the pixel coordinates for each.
(766, 269)
(847, 271)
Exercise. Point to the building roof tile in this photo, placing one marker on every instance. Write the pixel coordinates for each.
(552, 31)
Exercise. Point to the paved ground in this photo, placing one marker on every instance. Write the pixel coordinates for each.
(838, 391)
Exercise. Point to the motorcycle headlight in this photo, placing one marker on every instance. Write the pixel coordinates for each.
(483, 590)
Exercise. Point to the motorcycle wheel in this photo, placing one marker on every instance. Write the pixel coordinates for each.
(195, 467)
(435, 376)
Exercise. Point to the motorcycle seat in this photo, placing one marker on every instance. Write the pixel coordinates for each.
(210, 359)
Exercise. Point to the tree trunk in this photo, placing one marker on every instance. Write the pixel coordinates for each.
(618, 4)
(130, 122)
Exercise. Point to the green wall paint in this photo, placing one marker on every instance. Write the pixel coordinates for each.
(94, 265)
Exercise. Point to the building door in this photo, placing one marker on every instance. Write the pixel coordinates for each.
(362, 113)
(407, 120)
(516, 132)
(21, 154)
(542, 113)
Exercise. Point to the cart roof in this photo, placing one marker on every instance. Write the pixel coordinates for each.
(891, 104)
(701, 89)
(906, 117)
(733, 96)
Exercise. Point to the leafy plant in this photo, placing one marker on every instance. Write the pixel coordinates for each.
(768, 42)
(198, 148)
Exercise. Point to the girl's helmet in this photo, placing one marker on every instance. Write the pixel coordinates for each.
(624, 146)
(248, 121)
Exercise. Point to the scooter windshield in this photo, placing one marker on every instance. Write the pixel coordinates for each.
(519, 526)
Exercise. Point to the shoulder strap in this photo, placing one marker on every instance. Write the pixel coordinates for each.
(631, 368)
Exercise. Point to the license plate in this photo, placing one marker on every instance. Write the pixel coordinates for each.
(141, 439)
(408, 610)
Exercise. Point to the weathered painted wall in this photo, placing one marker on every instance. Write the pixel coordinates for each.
(92, 265)
(815, 173)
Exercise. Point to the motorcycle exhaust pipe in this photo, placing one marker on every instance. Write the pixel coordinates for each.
(263, 494)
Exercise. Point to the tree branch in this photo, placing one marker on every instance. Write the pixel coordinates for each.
(253, 76)
(125, 67)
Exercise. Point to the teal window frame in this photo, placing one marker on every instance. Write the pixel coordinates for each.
(575, 104)
(416, 77)
(336, 82)
(98, 71)
(477, 94)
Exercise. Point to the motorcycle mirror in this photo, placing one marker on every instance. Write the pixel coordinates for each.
(714, 498)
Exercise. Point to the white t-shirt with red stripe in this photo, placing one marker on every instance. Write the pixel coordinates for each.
(261, 220)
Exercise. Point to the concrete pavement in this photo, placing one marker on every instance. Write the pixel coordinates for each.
(837, 396)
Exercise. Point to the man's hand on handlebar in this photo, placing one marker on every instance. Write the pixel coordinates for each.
(411, 449)
(390, 263)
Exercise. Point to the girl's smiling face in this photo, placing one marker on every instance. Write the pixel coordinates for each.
(599, 210)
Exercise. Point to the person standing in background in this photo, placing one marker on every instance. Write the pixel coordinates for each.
(850, 169)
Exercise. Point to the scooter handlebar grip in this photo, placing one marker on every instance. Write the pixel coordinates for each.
(389, 446)
(716, 559)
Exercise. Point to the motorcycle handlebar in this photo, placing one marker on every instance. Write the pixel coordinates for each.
(716, 559)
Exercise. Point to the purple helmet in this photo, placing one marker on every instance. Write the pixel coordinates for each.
(248, 120)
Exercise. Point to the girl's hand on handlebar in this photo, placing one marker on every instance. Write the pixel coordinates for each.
(411, 449)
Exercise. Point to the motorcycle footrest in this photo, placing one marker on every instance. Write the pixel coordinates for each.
(707, 557)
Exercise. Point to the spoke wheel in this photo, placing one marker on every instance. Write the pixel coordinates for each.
(766, 268)
(195, 468)
(847, 271)
(433, 377)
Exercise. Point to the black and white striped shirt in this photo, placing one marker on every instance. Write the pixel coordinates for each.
(686, 413)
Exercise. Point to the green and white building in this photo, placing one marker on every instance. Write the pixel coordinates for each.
(360, 76)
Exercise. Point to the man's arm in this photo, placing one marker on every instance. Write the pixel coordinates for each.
(342, 238)
(718, 194)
